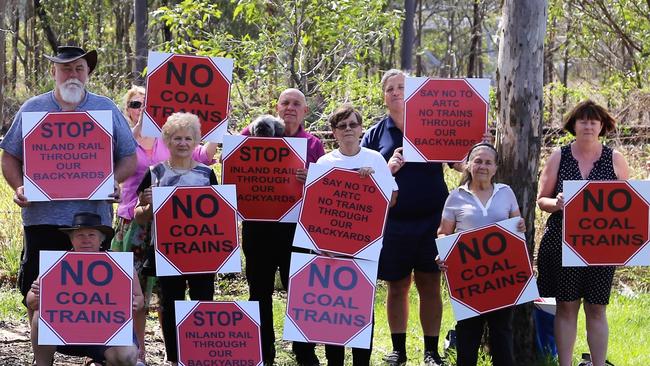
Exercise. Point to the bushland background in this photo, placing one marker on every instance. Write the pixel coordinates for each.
(560, 52)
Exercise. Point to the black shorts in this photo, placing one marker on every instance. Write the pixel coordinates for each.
(409, 244)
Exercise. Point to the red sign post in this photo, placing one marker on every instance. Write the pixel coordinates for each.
(489, 269)
(217, 333)
(342, 212)
(194, 84)
(264, 171)
(85, 298)
(605, 223)
(443, 119)
(330, 301)
(195, 229)
(68, 155)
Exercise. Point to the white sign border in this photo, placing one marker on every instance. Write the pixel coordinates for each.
(571, 189)
(445, 244)
(371, 252)
(225, 66)
(124, 337)
(412, 84)
(369, 269)
(163, 267)
(184, 308)
(33, 193)
(298, 144)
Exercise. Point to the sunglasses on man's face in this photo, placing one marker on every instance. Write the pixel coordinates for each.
(134, 104)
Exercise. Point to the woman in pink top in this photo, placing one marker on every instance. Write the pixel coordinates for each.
(129, 236)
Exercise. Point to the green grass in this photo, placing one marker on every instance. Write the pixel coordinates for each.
(629, 318)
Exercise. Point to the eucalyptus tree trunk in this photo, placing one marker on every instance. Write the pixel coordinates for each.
(519, 126)
(3, 58)
(408, 35)
(141, 39)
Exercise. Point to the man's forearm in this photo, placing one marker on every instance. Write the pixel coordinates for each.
(125, 167)
(12, 170)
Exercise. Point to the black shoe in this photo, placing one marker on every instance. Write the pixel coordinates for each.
(395, 358)
(431, 359)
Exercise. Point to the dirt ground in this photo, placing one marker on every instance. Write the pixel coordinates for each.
(16, 349)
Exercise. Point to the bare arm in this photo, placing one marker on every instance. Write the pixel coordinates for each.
(547, 182)
(211, 149)
(143, 212)
(32, 296)
(447, 227)
(12, 170)
(138, 297)
(393, 199)
(621, 168)
(125, 167)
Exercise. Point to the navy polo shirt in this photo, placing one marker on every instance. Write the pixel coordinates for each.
(422, 188)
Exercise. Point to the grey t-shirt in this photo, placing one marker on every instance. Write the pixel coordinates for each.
(468, 212)
(62, 212)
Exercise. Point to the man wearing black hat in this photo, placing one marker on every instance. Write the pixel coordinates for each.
(86, 234)
(71, 67)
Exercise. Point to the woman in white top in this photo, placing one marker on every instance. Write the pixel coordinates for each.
(345, 123)
(479, 202)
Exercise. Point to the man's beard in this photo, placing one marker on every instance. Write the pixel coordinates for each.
(72, 91)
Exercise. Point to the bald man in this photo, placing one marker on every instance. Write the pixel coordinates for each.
(267, 245)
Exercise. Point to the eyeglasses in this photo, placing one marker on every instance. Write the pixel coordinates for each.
(134, 104)
(343, 127)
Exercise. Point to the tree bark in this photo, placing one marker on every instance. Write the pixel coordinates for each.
(519, 127)
(13, 78)
(51, 37)
(419, 67)
(3, 58)
(141, 39)
(475, 42)
(408, 35)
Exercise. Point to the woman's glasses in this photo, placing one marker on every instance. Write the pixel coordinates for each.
(134, 104)
(343, 127)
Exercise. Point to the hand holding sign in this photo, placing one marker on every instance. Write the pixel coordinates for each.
(396, 161)
(19, 197)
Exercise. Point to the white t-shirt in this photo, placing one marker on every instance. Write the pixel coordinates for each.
(366, 158)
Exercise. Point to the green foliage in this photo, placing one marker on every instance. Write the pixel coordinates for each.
(605, 44)
(324, 49)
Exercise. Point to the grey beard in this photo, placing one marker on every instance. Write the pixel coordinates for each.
(71, 95)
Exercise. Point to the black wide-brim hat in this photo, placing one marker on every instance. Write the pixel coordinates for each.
(66, 54)
(89, 220)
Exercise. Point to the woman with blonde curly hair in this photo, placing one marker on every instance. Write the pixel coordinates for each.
(181, 134)
(130, 237)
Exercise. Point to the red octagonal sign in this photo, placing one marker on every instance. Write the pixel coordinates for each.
(195, 229)
(264, 171)
(218, 333)
(330, 300)
(444, 118)
(489, 268)
(68, 156)
(606, 223)
(191, 84)
(85, 298)
(342, 212)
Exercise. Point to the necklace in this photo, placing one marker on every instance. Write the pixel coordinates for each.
(177, 170)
